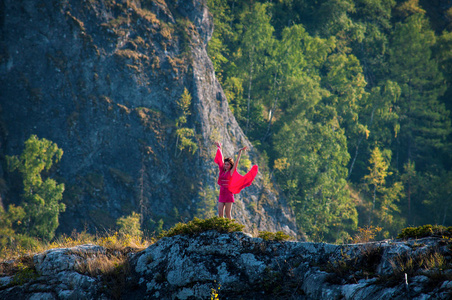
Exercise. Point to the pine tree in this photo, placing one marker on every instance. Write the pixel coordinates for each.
(385, 197)
(424, 122)
(378, 171)
(185, 137)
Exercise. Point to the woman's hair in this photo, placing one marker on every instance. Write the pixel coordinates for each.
(229, 160)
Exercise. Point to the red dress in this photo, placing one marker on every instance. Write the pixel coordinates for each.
(223, 180)
(230, 185)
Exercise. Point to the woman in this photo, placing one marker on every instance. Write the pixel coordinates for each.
(230, 181)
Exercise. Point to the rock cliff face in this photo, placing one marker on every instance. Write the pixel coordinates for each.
(102, 79)
(184, 267)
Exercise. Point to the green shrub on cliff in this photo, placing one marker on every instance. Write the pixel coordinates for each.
(185, 137)
(278, 236)
(425, 231)
(197, 226)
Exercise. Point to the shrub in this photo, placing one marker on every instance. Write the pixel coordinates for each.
(278, 236)
(22, 270)
(425, 231)
(24, 274)
(365, 234)
(196, 226)
(130, 225)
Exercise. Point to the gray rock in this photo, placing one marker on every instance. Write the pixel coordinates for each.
(5, 280)
(190, 267)
(55, 261)
(41, 296)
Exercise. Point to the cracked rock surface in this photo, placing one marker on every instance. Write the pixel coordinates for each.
(190, 267)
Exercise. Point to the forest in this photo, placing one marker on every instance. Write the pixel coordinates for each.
(349, 102)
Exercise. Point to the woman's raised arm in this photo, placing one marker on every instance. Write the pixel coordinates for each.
(219, 155)
(238, 160)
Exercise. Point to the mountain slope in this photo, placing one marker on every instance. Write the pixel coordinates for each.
(103, 79)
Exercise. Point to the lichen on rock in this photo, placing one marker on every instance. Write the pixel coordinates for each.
(190, 266)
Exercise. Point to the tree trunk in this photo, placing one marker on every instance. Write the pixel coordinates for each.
(272, 110)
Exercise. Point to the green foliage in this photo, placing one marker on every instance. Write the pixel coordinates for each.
(196, 226)
(248, 62)
(38, 155)
(130, 225)
(378, 171)
(154, 228)
(183, 105)
(425, 231)
(185, 137)
(217, 50)
(318, 85)
(207, 206)
(366, 234)
(24, 274)
(435, 192)
(278, 236)
(41, 200)
(384, 208)
(424, 122)
(14, 215)
(313, 176)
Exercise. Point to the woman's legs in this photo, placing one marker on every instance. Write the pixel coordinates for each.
(220, 209)
(228, 208)
(225, 207)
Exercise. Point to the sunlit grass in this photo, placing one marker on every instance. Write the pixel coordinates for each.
(115, 241)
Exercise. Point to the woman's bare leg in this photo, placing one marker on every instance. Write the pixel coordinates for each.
(228, 208)
(220, 209)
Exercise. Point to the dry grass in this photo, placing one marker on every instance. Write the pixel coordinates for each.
(20, 246)
(111, 265)
(94, 264)
(145, 14)
(432, 264)
(114, 242)
(130, 54)
(166, 31)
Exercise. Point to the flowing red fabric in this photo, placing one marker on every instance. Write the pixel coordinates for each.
(238, 182)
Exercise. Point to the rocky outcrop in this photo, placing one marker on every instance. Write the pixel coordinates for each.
(237, 266)
(102, 80)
